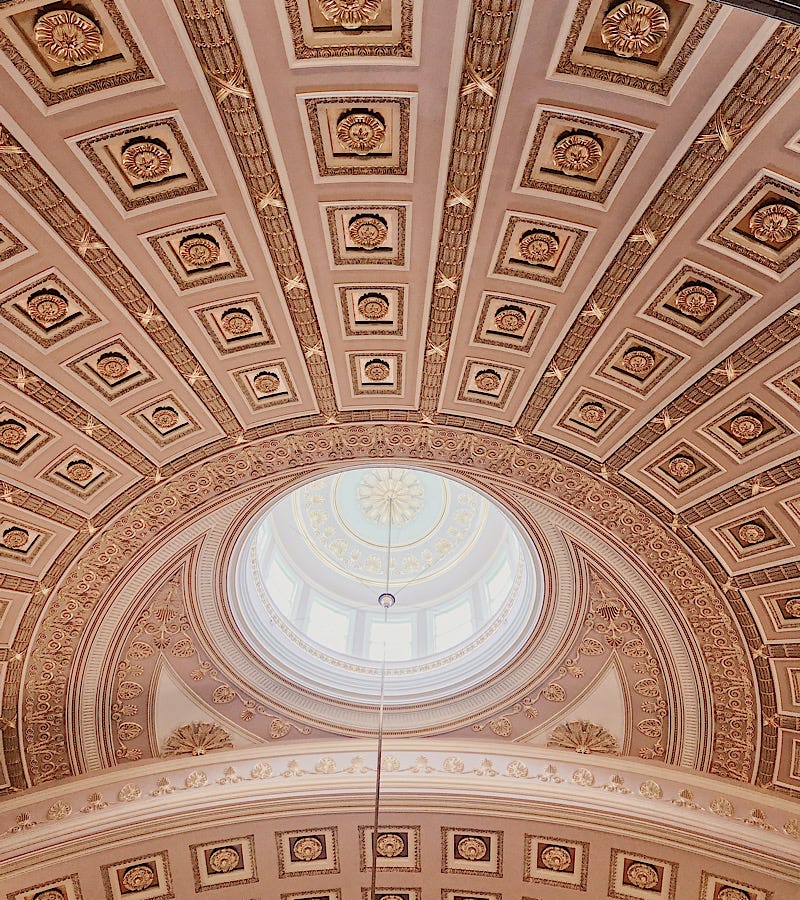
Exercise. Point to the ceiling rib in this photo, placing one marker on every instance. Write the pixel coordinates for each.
(218, 52)
(765, 79)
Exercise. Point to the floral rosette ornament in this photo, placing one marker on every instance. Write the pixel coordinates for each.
(350, 14)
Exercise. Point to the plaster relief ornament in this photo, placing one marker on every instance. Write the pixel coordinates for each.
(47, 307)
(15, 538)
(681, 467)
(377, 370)
(642, 875)
(373, 306)
(49, 894)
(592, 413)
(226, 859)
(557, 859)
(389, 845)
(197, 739)
(307, 849)
(751, 533)
(236, 321)
(68, 37)
(635, 28)
(510, 318)
(732, 893)
(147, 160)
(138, 878)
(113, 366)
(775, 223)
(361, 131)
(350, 14)
(80, 471)
(537, 247)
(745, 427)
(198, 251)
(266, 382)
(367, 231)
(165, 417)
(583, 737)
(398, 489)
(577, 154)
(12, 433)
(696, 300)
(639, 361)
(471, 848)
(792, 608)
(488, 380)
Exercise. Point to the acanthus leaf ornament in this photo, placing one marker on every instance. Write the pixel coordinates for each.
(361, 131)
(367, 231)
(577, 153)
(537, 247)
(696, 300)
(583, 737)
(373, 306)
(47, 307)
(199, 251)
(634, 28)
(350, 14)
(68, 37)
(197, 739)
(510, 318)
(146, 159)
(775, 223)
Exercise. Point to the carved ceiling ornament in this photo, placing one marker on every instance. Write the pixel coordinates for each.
(113, 366)
(15, 538)
(642, 875)
(199, 251)
(577, 153)
(681, 467)
(266, 382)
(224, 859)
(307, 848)
(775, 223)
(237, 322)
(361, 131)
(793, 608)
(69, 37)
(555, 858)
(165, 417)
(268, 463)
(635, 28)
(471, 848)
(538, 247)
(488, 380)
(751, 533)
(197, 739)
(350, 14)
(373, 306)
(47, 307)
(368, 231)
(146, 159)
(138, 878)
(745, 427)
(510, 318)
(696, 300)
(639, 361)
(80, 470)
(12, 433)
(583, 737)
(731, 893)
(389, 845)
(592, 413)
(377, 370)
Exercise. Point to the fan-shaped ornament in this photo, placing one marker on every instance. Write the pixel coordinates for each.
(775, 223)
(68, 37)
(635, 28)
(362, 132)
(583, 737)
(197, 739)
(577, 154)
(350, 14)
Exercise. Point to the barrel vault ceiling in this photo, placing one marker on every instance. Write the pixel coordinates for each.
(550, 247)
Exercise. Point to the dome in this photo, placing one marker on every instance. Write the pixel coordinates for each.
(313, 564)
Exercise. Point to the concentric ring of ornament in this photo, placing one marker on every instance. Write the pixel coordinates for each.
(642, 875)
(68, 37)
(307, 848)
(367, 230)
(488, 380)
(199, 251)
(15, 538)
(745, 427)
(80, 470)
(751, 533)
(389, 845)
(165, 417)
(696, 300)
(47, 307)
(138, 878)
(373, 306)
(471, 848)
(12, 433)
(538, 247)
(236, 321)
(731, 893)
(775, 223)
(635, 28)
(49, 894)
(681, 467)
(557, 859)
(146, 159)
(639, 361)
(510, 318)
(225, 859)
(792, 608)
(377, 370)
(113, 366)
(360, 131)
(266, 382)
(592, 413)
(577, 154)
(350, 14)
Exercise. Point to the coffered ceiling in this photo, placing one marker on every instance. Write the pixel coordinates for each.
(549, 248)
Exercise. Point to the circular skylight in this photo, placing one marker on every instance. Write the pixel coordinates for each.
(312, 567)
